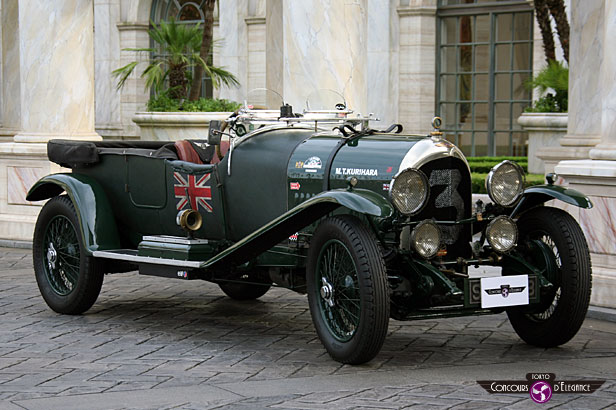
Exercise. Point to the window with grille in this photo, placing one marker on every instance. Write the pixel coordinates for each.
(484, 60)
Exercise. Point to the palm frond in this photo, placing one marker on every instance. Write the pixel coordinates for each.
(154, 75)
(123, 73)
(220, 75)
(554, 76)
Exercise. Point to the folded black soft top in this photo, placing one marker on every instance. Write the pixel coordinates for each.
(77, 154)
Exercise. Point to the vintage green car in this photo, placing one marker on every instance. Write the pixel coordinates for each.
(371, 224)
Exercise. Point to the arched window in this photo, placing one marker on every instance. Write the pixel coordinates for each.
(186, 12)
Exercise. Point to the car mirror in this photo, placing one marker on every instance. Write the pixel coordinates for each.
(214, 133)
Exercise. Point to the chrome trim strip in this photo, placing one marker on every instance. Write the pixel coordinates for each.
(119, 255)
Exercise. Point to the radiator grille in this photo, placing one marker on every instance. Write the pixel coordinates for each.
(450, 200)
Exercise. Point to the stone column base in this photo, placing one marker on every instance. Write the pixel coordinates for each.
(21, 165)
(597, 179)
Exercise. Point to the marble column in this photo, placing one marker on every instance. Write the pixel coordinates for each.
(586, 50)
(592, 119)
(417, 64)
(318, 44)
(11, 81)
(607, 148)
(47, 92)
(56, 75)
(134, 95)
(108, 112)
(233, 53)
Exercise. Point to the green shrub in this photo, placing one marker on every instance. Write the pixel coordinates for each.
(478, 181)
(496, 160)
(485, 167)
(485, 164)
(164, 103)
(554, 77)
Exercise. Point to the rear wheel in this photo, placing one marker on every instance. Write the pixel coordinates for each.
(348, 292)
(243, 291)
(246, 291)
(566, 260)
(68, 279)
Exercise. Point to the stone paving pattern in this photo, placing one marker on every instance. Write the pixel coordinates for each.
(163, 343)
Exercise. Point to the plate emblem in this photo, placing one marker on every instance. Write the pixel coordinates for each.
(192, 190)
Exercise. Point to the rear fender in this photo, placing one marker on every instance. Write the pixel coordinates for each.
(357, 200)
(96, 219)
(539, 194)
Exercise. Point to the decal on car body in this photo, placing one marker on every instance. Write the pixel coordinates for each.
(192, 190)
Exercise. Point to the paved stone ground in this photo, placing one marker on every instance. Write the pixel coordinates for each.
(163, 343)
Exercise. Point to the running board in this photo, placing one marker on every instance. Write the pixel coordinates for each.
(130, 255)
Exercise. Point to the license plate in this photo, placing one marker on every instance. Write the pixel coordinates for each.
(504, 291)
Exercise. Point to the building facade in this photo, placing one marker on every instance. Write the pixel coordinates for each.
(403, 60)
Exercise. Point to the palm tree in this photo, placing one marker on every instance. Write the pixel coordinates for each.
(557, 8)
(206, 47)
(543, 9)
(542, 12)
(179, 51)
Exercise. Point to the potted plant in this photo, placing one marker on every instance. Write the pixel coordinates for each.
(171, 114)
(546, 120)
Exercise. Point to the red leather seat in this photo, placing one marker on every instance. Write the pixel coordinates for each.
(224, 148)
(186, 152)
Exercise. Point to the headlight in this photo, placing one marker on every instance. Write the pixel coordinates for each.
(502, 234)
(426, 239)
(505, 183)
(408, 191)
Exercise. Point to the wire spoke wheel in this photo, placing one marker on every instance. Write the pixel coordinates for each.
(548, 306)
(347, 289)
(561, 253)
(339, 294)
(61, 260)
(69, 279)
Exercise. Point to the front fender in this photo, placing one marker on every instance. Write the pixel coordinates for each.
(539, 194)
(358, 200)
(96, 220)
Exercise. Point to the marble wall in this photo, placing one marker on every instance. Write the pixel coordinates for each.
(592, 119)
(11, 72)
(108, 112)
(586, 51)
(233, 52)
(56, 70)
(416, 99)
(48, 77)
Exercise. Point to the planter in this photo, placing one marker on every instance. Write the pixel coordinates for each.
(174, 126)
(545, 129)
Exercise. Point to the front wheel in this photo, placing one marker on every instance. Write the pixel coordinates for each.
(562, 309)
(347, 290)
(69, 280)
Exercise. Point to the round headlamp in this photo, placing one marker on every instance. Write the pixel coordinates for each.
(502, 234)
(505, 183)
(408, 191)
(426, 239)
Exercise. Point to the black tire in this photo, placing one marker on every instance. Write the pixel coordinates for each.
(350, 333)
(68, 279)
(561, 315)
(244, 291)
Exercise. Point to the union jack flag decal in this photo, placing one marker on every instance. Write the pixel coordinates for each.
(192, 190)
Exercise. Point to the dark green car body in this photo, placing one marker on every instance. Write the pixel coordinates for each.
(260, 206)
